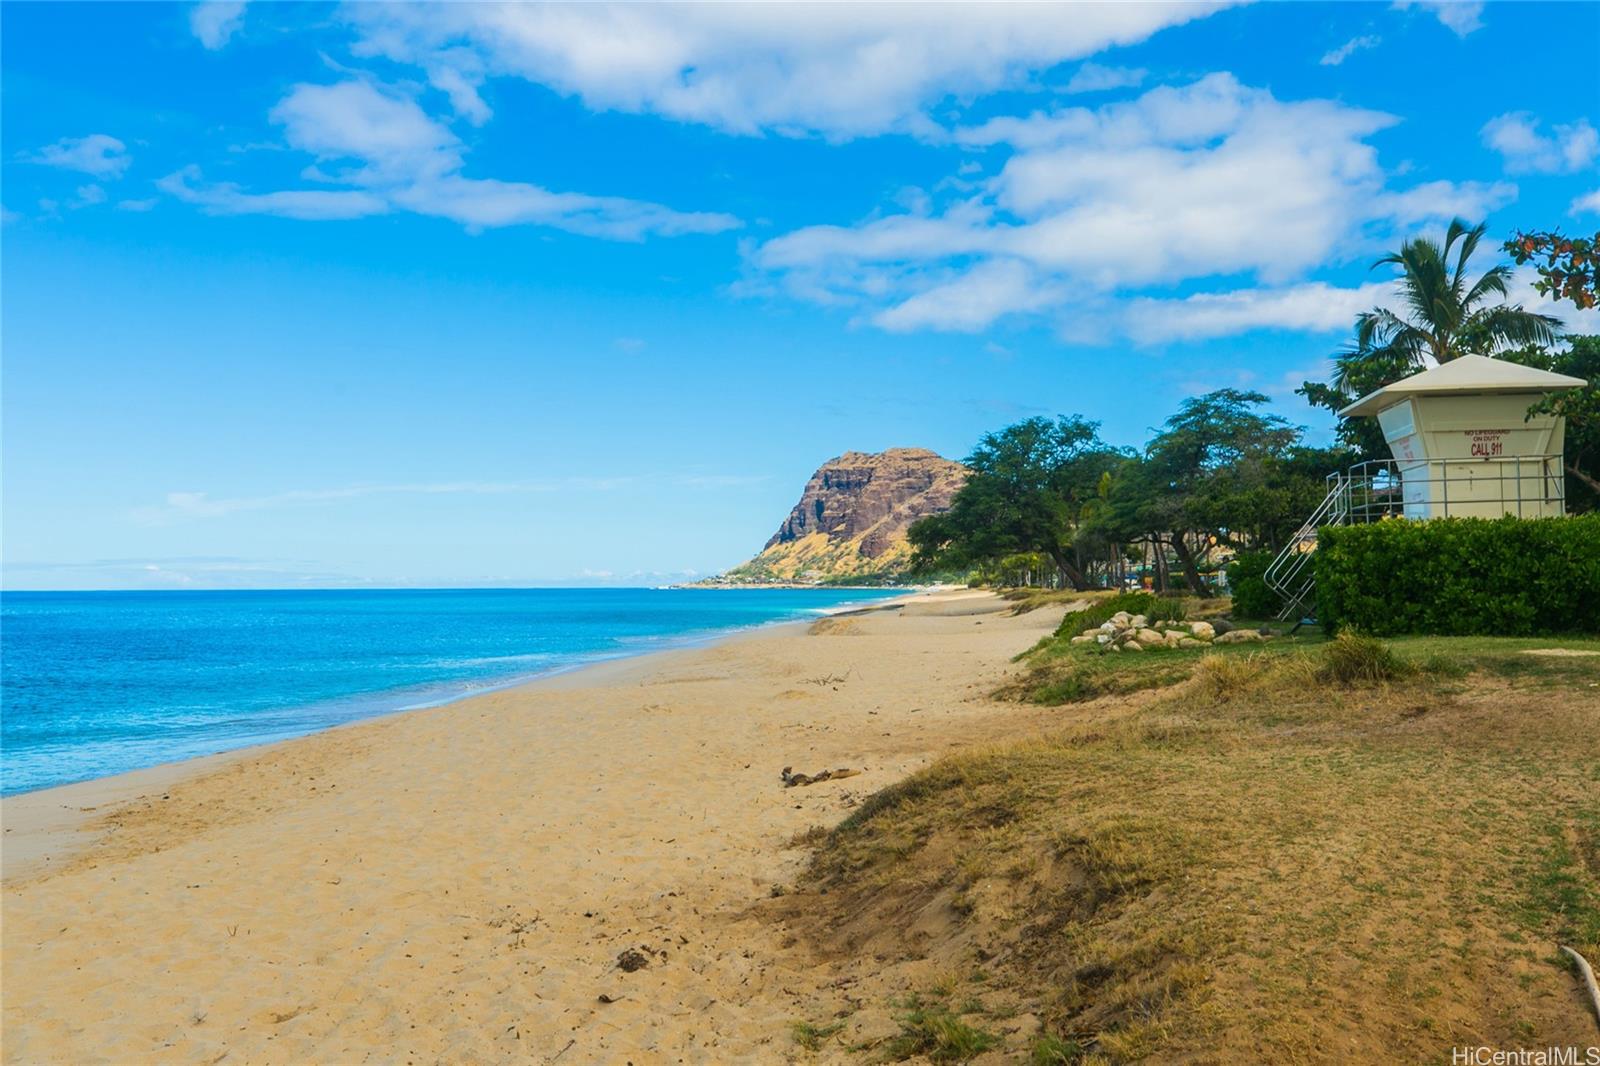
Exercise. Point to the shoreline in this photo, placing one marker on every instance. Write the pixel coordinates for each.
(48, 824)
(418, 698)
(459, 883)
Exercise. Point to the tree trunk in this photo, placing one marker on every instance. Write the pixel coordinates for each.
(1191, 572)
(1585, 478)
(1074, 575)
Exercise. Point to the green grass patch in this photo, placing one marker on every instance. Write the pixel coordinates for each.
(934, 1030)
(1563, 899)
(1052, 1050)
(811, 1037)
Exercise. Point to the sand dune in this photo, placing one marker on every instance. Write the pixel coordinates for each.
(458, 884)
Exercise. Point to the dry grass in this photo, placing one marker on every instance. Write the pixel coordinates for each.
(1273, 859)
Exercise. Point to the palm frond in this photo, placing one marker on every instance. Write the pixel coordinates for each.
(1495, 280)
(1469, 244)
(1381, 330)
(1514, 327)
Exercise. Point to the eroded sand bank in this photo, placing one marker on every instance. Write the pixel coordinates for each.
(457, 884)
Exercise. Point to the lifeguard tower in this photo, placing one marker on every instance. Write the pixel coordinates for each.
(1464, 445)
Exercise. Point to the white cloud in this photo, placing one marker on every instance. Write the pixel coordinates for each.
(1349, 48)
(839, 70)
(98, 154)
(1314, 307)
(390, 155)
(89, 195)
(1209, 180)
(969, 301)
(1587, 204)
(389, 135)
(1460, 16)
(1447, 199)
(484, 202)
(1516, 136)
(136, 205)
(1094, 78)
(178, 506)
(315, 205)
(215, 22)
(460, 81)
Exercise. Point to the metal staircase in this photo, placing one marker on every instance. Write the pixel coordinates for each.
(1290, 575)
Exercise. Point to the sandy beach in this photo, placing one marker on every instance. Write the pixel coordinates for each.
(458, 884)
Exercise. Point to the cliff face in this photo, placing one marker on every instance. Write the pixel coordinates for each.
(852, 518)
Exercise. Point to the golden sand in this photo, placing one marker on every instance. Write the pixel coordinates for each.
(458, 884)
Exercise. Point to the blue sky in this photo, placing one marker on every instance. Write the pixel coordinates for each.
(458, 294)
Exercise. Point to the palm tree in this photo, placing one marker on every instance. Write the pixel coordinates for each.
(1445, 317)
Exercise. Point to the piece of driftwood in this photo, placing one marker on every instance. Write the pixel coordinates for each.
(792, 779)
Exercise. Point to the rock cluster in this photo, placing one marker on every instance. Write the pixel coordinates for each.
(1135, 632)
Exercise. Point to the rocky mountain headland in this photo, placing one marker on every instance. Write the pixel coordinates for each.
(852, 518)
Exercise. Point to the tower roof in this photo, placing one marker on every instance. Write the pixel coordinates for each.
(1463, 375)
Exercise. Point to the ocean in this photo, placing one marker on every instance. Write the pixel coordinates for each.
(98, 683)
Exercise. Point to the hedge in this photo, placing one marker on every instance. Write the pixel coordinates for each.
(1248, 587)
(1461, 576)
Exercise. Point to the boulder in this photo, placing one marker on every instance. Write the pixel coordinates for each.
(1190, 642)
(1085, 638)
(1240, 636)
(1138, 621)
(1202, 630)
(1103, 638)
(1148, 636)
(1220, 625)
(1122, 619)
(1132, 645)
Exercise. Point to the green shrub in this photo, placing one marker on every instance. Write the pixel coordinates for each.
(1461, 576)
(1153, 607)
(1355, 659)
(1248, 586)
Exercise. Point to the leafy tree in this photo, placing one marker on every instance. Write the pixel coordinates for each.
(1218, 470)
(1029, 484)
(1569, 267)
(1580, 407)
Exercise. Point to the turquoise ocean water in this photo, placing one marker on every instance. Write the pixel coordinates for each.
(96, 683)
